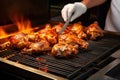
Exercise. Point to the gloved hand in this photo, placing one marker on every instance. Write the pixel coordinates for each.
(77, 9)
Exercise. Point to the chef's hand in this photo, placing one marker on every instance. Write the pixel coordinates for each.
(77, 9)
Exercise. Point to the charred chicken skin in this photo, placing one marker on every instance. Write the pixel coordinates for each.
(33, 37)
(19, 41)
(78, 29)
(72, 38)
(58, 26)
(94, 31)
(64, 50)
(49, 33)
(37, 47)
(6, 45)
(66, 44)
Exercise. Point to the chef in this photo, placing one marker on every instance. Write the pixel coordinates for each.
(76, 9)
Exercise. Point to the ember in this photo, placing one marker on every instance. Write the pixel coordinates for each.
(42, 67)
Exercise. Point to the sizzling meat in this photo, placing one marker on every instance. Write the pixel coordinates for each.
(6, 45)
(64, 50)
(49, 33)
(37, 47)
(19, 41)
(66, 44)
(72, 38)
(94, 31)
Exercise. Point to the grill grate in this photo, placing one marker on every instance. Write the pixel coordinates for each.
(68, 68)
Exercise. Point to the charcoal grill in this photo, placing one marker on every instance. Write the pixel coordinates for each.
(79, 67)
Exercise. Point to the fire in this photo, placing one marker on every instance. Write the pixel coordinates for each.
(2, 32)
(22, 24)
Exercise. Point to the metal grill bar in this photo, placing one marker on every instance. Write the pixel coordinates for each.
(69, 68)
(35, 64)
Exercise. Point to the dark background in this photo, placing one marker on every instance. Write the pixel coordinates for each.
(41, 11)
(97, 13)
(36, 10)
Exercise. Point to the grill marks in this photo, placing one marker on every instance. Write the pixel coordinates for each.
(69, 66)
(52, 66)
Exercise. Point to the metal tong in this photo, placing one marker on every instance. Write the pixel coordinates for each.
(65, 25)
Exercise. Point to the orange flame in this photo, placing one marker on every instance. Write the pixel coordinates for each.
(2, 32)
(23, 25)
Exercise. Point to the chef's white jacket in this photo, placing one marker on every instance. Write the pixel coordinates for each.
(113, 17)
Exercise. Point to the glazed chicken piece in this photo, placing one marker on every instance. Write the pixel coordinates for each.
(5, 45)
(49, 33)
(94, 31)
(33, 37)
(61, 50)
(78, 29)
(19, 41)
(72, 38)
(82, 35)
(23, 40)
(58, 26)
(37, 47)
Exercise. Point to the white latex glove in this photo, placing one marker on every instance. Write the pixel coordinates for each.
(77, 9)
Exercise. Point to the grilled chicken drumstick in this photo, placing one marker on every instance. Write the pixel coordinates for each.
(19, 41)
